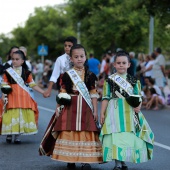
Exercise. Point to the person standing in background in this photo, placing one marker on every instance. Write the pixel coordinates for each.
(132, 69)
(62, 64)
(94, 65)
(159, 68)
(39, 71)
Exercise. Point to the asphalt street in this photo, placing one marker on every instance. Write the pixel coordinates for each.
(26, 157)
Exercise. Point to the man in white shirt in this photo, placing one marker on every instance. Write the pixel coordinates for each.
(62, 65)
(159, 68)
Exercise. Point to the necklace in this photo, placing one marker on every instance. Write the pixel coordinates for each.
(79, 71)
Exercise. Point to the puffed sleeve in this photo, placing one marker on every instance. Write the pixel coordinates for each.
(106, 91)
(137, 88)
(5, 79)
(30, 81)
(93, 86)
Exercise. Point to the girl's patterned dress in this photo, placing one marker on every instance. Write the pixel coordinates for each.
(121, 139)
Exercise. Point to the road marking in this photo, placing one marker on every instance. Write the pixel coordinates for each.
(46, 109)
(155, 143)
(161, 145)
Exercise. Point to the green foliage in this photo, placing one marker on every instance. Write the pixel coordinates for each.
(111, 24)
(105, 24)
(5, 44)
(47, 26)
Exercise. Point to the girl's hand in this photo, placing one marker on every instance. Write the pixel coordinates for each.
(137, 109)
(102, 118)
(95, 115)
(57, 113)
(5, 98)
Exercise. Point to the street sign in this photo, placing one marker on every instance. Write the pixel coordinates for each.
(42, 50)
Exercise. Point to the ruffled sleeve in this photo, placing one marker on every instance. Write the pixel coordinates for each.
(137, 88)
(106, 91)
(30, 81)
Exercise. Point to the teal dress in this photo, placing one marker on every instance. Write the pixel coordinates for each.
(121, 138)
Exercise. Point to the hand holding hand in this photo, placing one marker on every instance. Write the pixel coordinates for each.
(46, 94)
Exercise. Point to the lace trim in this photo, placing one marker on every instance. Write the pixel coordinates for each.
(77, 143)
(75, 154)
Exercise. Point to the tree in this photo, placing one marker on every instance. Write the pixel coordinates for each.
(108, 24)
(49, 26)
(5, 44)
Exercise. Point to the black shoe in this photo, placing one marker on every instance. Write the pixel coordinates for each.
(86, 167)
(9, 139)
(117, 168)
(71, 166)
(124, 167)
(17, 141)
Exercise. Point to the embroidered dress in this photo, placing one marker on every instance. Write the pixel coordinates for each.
(121, 138)
(78, 139)
(21, 116)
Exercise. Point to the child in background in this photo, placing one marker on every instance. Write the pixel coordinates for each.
(125, 134)
(153, 99)
(21, 115)
(78, 139)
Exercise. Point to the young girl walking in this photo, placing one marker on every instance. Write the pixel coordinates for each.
(77, 140)
(125, 134)
(21, 114)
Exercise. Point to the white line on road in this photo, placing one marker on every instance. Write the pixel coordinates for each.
(46, 109)
(155, 143)
(161, 145)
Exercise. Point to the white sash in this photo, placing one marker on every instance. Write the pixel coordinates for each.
(17, 78)
(81, 87)
(121, 82)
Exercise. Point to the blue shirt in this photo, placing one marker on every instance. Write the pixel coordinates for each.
(93, 64)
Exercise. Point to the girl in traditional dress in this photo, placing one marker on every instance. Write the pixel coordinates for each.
(21, 115)
(78, 137)
(125, 134)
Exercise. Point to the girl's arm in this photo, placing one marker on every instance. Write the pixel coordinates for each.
(38, 89)
(32, 84)
(95, 113)
(103, 109)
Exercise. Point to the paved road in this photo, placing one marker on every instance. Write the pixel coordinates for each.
(25, 156)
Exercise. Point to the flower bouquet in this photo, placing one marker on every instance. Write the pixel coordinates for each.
(63, 99)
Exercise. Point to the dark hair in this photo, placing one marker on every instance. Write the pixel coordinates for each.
(91, 55)
(9, 57)
(71, 39)
(153, 91)
(122, 53)
(77, 46)
(153, 55)
(158, 50)
(152, 81)
(22, 55)
(107, 60)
